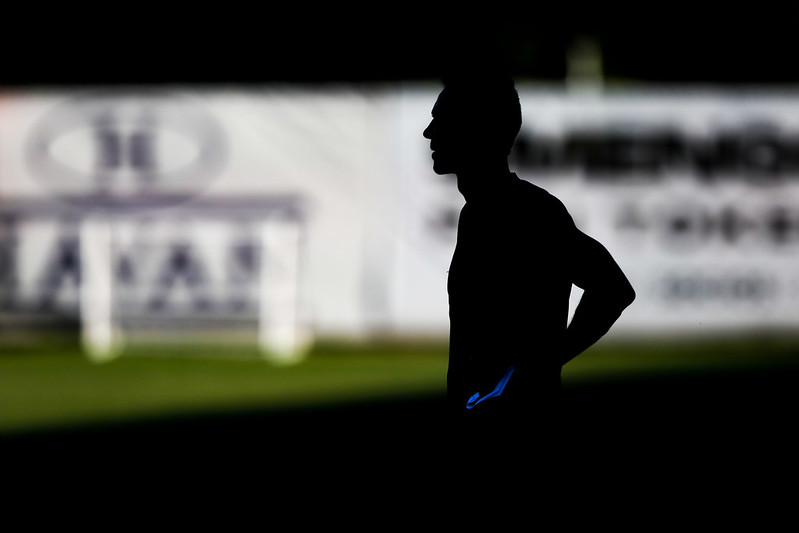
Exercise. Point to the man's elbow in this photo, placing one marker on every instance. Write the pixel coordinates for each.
(620, 296)
(626, 295)
(613, 298)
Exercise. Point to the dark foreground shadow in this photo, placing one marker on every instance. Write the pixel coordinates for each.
(664, 441)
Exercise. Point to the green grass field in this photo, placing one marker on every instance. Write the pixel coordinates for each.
(49, 384)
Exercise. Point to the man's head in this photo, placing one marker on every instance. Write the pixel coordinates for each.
(475, 120)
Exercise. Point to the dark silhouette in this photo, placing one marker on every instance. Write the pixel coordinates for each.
(517, 255)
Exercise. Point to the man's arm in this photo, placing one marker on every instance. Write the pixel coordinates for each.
(607, 294)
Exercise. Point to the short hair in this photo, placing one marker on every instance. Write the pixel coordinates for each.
(489, 100)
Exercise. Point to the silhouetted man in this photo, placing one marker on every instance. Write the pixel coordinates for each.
(517, 255)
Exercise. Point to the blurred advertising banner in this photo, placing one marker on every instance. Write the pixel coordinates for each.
(694, 193)
(186, 181)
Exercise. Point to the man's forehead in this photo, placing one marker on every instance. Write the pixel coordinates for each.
(437, 107)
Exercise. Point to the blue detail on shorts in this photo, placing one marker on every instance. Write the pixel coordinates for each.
(499, 389)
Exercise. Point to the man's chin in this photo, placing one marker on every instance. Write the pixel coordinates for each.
(441, 168)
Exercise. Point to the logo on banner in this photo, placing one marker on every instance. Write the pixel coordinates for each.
(113, 149)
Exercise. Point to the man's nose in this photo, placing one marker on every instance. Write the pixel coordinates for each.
(428, 132)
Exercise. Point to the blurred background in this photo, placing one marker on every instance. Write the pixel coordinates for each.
(217, 222)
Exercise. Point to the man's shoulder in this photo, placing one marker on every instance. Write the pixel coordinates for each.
(544, 201)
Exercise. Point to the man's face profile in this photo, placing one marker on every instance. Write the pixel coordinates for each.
(466, 131)
(445, 137)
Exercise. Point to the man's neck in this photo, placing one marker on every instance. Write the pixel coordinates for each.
(484, 182)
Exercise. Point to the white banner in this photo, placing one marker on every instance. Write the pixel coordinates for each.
(192, 173)
(695, 194)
